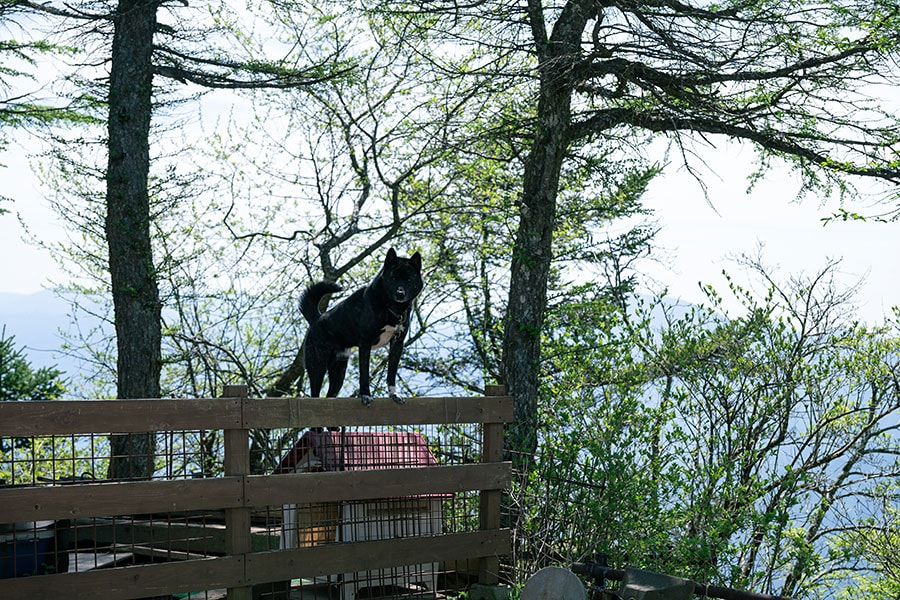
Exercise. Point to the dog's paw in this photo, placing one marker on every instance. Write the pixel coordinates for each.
(398, 398)
(366, 399)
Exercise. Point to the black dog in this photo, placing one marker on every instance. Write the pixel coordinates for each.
(369, 318)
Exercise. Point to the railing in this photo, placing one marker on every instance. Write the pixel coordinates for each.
(243, 556)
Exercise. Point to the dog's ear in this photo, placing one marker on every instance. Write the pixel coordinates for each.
(391, 256)
(416, 260)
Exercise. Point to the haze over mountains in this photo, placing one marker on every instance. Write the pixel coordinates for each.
(36, 321)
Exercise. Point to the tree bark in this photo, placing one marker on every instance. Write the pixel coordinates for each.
(533, 248)
(132, 273)
(530, 271)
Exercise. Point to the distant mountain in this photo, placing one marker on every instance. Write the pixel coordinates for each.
(35, 321)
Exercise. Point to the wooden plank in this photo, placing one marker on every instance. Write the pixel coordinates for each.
(124, 583)
(490, 501)
(281, 565)
(334, 412)
(375, 483)
(494, 390)
(237, 518)
(119, 498)
(62, 417)
(491, 453)
(238, 537)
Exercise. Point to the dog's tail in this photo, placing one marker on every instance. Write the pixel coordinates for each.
(309, 302)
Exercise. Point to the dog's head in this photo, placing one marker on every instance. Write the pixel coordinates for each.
(402, 277)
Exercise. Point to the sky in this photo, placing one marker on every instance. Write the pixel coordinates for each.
(699, 235)
(26, 268)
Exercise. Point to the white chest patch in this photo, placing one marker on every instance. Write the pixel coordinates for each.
(387, 333)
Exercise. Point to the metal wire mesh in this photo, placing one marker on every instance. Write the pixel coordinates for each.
(81, 544)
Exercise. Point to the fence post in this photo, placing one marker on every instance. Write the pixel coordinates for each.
(237, 520)
(489, 505)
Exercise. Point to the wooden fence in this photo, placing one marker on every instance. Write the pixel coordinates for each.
(242, 566)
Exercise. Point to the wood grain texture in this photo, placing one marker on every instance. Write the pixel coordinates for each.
(62, 417)
(124, 583)
(334, 412)
(379, 483)
(119, 498)
(131, 582)
(382, 554)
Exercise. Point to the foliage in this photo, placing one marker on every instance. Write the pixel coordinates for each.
(588, 78)
(21, 58)
(738, 450)
(20, 381)
(22, 106)
(873, 542)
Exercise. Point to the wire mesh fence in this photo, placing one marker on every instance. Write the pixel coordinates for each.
(145, 535)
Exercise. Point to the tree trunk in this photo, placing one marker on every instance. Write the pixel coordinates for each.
(132, 274)
(533, 249)
(530, 270)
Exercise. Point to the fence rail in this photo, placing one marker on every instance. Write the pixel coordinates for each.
(237, 554)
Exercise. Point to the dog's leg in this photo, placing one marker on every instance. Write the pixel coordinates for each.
(315, 370)
(365, 393)
(315, 363)
(337, 369)
(393, 364)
